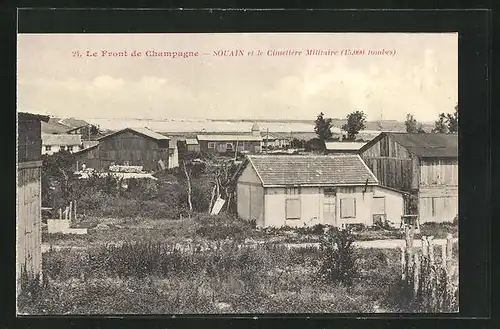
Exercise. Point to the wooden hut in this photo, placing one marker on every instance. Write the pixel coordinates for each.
(29, 168)
(129, 146)
(426, 165)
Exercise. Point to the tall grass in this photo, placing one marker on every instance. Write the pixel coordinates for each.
(153, 278)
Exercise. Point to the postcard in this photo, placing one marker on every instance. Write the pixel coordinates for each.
(237, 173)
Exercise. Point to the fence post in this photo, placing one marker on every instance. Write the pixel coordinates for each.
(443, 255)
(403, 263)
(412, 235)
(74, 209)
(407, 237)
(70, 209)
(416, 275)
(449, 249)
(430, 243)
(60, 213)
(425, 247)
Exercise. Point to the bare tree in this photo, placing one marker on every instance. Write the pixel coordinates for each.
(189, 188)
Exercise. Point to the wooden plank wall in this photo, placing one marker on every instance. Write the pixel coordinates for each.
(439, 172)
(29, 145)
(391, 163)
(29, 255)
(138, 150)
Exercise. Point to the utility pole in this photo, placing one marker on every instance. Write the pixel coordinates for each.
(267, 136)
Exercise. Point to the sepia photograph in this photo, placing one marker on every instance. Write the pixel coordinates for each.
(237, 173)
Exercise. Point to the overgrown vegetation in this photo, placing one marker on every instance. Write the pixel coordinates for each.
(338, 257)
(158, 278)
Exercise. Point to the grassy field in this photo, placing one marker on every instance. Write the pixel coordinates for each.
(133, 266)
(154, 279)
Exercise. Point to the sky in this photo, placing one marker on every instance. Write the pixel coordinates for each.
(418, 75)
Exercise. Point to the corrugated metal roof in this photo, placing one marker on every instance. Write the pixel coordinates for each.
(228, 138)
(315, 170)
(428, 145)
(343, 146)
(140, 130)
(61, 139)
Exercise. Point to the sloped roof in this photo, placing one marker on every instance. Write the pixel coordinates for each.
(54, 128)
(228, 138)
(344, 146)
(311, 170)
(428, 145)
(74, 123)
(31, 116)
(61, 139)
(142, 131)
(191, 141)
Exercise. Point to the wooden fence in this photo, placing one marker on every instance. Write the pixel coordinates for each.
(430, 280)
(69, 211)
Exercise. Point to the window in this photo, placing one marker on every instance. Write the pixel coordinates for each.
(211, 145)
(348, 208)
(48, 148)
(240, 143)
(229, 146)
(63, 148)
(292, 203)
(293, 209)
(378, 205)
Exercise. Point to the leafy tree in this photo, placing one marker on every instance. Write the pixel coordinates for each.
(297, 143)
(93, 130)
(57, 175)
(440, 124)
(452, 120)
(322, 127)
(355, 123)
(412, 126)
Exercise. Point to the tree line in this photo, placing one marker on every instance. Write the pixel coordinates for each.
(356, 122)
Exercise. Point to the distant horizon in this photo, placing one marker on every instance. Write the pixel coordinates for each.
(212, 119)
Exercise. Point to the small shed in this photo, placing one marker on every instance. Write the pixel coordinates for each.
(192, 145)
(129, 146)
(29, 170)
(305, 190)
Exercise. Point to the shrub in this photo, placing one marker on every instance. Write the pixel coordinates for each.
(338, 257)
(142, 189)
(223, 226)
